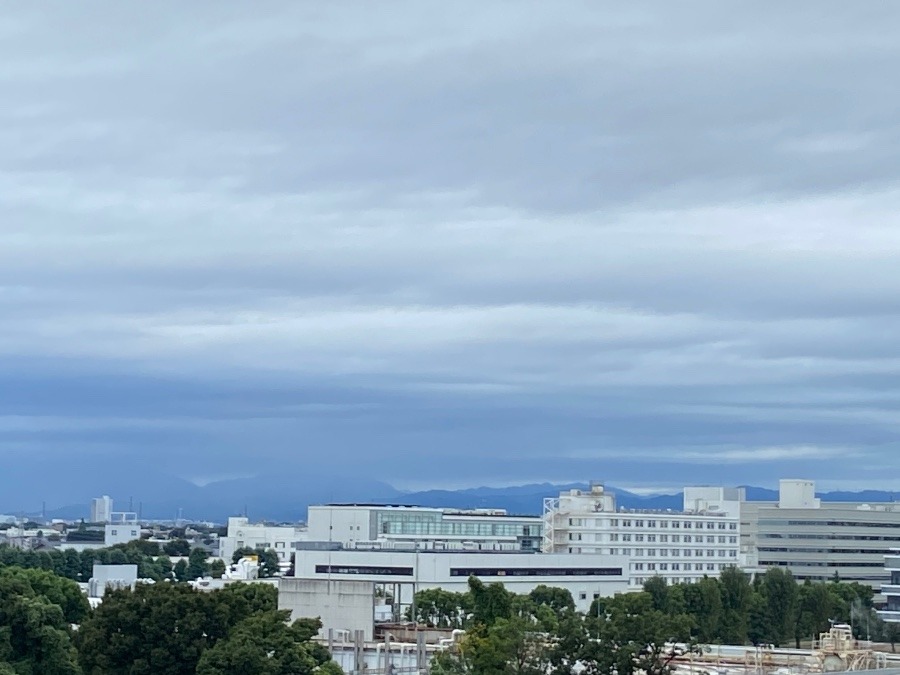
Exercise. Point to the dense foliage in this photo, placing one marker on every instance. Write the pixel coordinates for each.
(542, 633)
(37, 609)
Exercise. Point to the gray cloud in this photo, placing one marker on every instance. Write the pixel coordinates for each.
(580, 236)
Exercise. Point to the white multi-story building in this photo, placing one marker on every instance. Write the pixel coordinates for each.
(101, 509)
(823, 540)
(244, 534)
(685, 546)
(411, 527)
(585, 576)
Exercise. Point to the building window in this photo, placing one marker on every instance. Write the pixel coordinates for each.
(582, 596)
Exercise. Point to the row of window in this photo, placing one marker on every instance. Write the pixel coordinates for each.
(675, 552)
(831, 537)
(536, 571)
(828, 523)
(676, 567)
(654, 524)
(837, 551)
(476, 571)
(676, 538)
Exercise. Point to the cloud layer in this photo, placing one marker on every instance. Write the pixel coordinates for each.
(454, 244)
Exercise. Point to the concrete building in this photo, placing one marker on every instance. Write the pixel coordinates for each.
(412, 527)
(121, 533)
(401, 573)
(820, 540)
(681, 547)
(101, 509)
(244, 534)
(109, 577)
(342, 605)
(890, 590)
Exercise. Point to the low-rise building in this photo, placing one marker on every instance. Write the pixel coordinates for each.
(401, 573)
(679, 546)
(416, 527)
(121, 533)
(244, 534)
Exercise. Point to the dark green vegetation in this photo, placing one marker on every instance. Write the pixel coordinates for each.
(542, 633)
(163, 629)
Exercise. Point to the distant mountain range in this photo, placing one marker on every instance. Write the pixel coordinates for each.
(285, 495)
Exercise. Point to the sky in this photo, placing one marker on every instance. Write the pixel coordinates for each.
(453, 244)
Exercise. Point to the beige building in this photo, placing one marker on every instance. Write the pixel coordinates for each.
(820, 540)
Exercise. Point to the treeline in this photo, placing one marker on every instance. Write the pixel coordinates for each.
(78, 565)
(164, 629)
(542, 632)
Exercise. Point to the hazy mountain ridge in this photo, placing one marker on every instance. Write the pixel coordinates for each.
(285, 495)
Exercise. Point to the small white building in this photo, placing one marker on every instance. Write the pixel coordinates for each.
(121, 533)
(679, 546)
(244, 534)
(109, 577)
(585, 576)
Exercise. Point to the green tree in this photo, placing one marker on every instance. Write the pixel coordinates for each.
(177, 547)
(265, 644)
(180, 570)
(779, 592)
(217, 568)
(557, 599)
(489, 602)
(703, 602)
(815, 606)
(197, 566)
(35, 636)
(736, 593)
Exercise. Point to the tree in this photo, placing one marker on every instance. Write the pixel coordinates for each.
(197, 566)
(164, 629)
(489, 602)
(815, 605)
(557, 599)
(265, 645)
(444, 609)
(180, 570)
(177, 547)
(703, 602)
(736, 593)
(217, 568)
(35, 636)
(779, 592)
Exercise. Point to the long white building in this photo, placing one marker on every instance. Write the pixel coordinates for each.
(685, 546)
(410, 527)
(585, 576)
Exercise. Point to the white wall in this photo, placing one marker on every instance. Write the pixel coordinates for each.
(121, 534)
(341, 605)
(242, 533)
(344, 524)
(433, 570)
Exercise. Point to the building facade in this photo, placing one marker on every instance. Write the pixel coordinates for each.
(411, 527)
(680, 547)
(121, 533)
(244, 534)
(101, 509)
(824, 540)
(585, 576)
(890, 590)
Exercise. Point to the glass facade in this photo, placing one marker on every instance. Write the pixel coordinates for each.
(436, 524)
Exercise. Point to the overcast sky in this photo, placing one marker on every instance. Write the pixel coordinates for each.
(449, 244)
